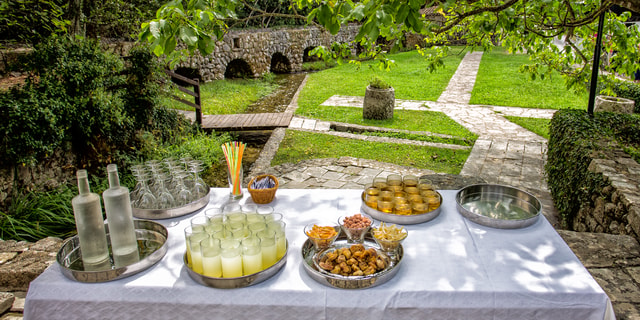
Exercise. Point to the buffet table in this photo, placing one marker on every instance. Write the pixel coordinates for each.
(452, 269)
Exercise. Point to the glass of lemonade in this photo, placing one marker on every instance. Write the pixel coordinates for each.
(211, 264)
(231, 258)
(196, 253)
(268, 245)
(251, 255)
(281, 238)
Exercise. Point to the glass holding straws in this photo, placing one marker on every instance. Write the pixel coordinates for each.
(233, 153)
(167, 183)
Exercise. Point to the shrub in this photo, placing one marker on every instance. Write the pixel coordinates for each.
(575, 138)
(378, 83)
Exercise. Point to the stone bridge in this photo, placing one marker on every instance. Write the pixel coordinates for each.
(252, 53)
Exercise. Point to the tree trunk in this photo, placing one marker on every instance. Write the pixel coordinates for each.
(75, 17)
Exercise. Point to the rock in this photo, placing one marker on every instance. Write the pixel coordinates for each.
(6, 301)
(15, 275)
(602, 250)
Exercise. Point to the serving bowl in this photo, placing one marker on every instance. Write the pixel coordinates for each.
(498, 206)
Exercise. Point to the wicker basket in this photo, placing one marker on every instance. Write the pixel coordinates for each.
(263, 196)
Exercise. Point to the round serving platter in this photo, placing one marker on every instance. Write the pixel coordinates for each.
(498, 206)
(309, 255)
(237, 282)
(398, 218)
(152, 246)
(173, 212)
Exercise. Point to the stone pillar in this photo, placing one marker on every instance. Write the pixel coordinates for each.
(378, 103)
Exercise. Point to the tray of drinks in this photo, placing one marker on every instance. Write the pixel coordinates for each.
(152, 246)
(238, 279)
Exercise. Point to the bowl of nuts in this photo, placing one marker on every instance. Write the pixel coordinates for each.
(355, 227)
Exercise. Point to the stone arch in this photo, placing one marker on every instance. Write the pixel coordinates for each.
(238, 68)
(280, 63)
(306, 57)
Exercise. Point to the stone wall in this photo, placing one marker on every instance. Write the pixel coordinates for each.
(616, 208)
(257, 47)
(48, 174)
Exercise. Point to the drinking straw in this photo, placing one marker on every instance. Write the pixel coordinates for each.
(233, 153)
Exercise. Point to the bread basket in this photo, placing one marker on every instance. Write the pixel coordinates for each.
(263, 196)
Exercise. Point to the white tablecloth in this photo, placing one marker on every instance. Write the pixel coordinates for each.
(452, 269)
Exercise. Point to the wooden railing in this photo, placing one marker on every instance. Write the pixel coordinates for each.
(195, 93)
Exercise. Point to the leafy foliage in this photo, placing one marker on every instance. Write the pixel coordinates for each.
(520, 26)
(117, 18)
(198, 26)
(37, 215)
(378, 83)
(31, 21)
(575, 138)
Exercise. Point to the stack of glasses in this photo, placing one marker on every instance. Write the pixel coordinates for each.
(167, 183)
(235, 240)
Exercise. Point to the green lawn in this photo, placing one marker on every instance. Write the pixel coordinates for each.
(227, 96)
(499, 82)
(535, 125)
(299, 145)
(409, 77)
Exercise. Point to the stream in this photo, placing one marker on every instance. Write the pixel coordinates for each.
(276, 102)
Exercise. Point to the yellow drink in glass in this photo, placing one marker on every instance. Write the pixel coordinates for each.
(252, 263)
(231, 258)
(212, 266)
(210, 250)
(196, 264)
(231, 266)
(251, 255)
(268, 245)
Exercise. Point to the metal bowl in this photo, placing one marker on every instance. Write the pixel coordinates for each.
(309, 255)
(398, 218)
(237, 282)
(173, 212)
(498, 206)
(152, 246)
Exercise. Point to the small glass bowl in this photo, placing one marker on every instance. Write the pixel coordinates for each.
(390, 247)
(356, 235)
(321, 243)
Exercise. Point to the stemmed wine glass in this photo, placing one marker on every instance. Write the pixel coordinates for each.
(199, 186)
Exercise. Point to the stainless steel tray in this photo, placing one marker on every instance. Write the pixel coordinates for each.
(173, 212)
(398, 218)
(498, 206)
(152, 246)
(238, 282)
(344, 282)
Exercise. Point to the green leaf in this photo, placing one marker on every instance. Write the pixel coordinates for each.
(169, 45)
(415, 4)
(403, 13)
(188, 35)
(154, 28)
(324, 15)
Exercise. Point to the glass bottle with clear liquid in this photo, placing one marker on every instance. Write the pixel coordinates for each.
(90, 226)
(117, 205)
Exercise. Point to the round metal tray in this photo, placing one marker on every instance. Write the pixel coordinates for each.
(498, 206)
(237, 282)
(173, 212)
(398, 218)
(352, 282)
(152, 246)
